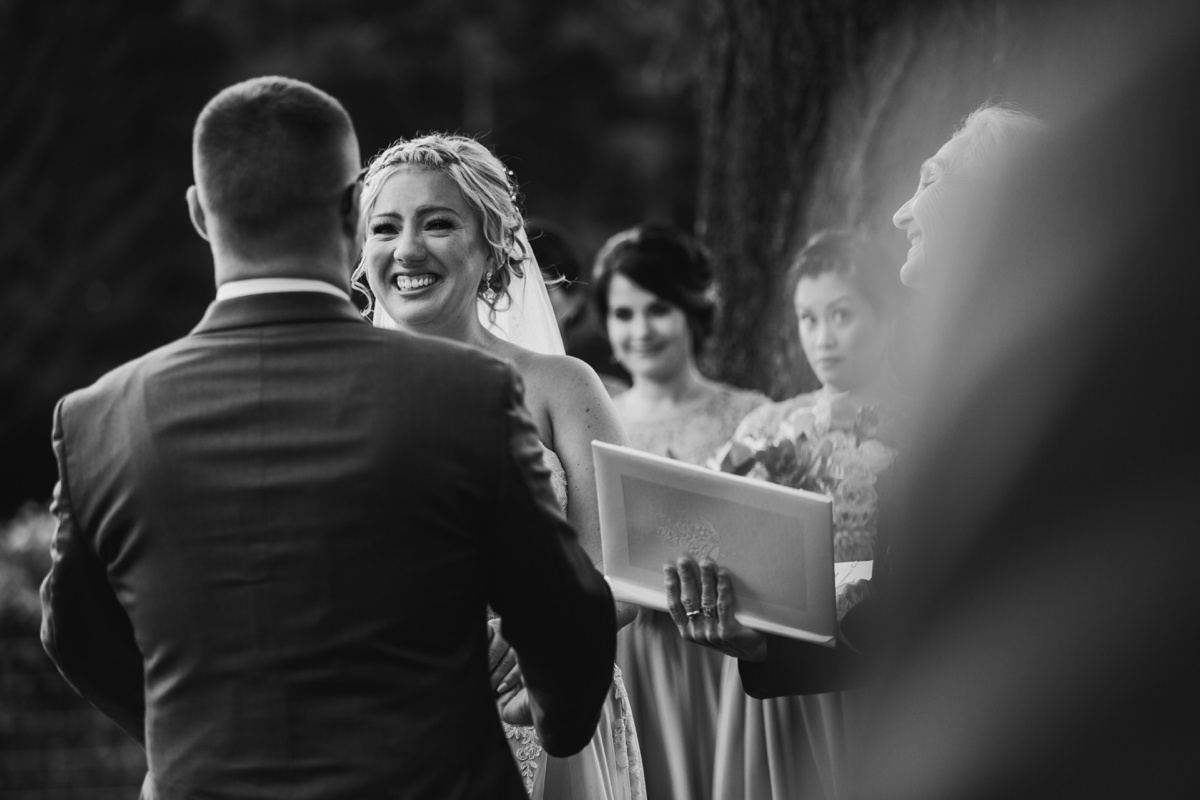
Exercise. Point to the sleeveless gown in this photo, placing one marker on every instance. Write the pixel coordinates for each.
(610, 767)
(674, 684)
(789, 748)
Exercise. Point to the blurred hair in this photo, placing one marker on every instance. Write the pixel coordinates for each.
(271, 163)
(666, 262)
(859, 260)
(485, 183)
(554, 253)
(990, 131)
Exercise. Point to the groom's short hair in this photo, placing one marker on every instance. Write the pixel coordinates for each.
(270, 162)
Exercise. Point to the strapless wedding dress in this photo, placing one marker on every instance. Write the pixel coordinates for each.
(610, 767)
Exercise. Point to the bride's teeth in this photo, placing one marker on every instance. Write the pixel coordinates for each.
(406, 283)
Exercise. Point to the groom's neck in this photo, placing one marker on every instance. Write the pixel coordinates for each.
(330, 268)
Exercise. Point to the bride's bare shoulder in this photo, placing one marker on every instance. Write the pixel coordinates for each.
(558, 375)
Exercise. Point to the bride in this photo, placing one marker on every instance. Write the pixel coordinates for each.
(445, 254)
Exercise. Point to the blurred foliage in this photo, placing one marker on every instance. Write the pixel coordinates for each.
(52, 742)
(590, 102)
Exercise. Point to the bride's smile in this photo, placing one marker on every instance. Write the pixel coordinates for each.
(414, 283)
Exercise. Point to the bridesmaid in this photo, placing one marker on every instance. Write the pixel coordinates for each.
(653, 289)
(846, 295)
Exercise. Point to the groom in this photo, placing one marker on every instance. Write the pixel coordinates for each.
(278, 536)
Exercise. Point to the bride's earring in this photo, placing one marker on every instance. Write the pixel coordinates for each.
(489, 293)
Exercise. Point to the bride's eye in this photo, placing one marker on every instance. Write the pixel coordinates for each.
(439, 224)
(383, 229)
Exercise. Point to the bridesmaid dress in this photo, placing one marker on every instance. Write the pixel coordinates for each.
(789, 748)
(674, 685)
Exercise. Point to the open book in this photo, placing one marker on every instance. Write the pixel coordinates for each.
(776, 542)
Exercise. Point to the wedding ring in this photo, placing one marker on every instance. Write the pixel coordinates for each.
(709, 611)
(692, 614)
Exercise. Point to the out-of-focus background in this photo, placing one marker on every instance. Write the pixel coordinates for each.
(753, 123)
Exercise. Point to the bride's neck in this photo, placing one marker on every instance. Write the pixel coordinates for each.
(467, 331)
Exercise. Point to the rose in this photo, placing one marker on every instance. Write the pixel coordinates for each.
(846, 464)
(736, 457)
(800, 423)
(875, 455)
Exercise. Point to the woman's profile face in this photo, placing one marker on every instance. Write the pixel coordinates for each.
(917, 272)
(425, 252)
(843, 338)
(650, 337)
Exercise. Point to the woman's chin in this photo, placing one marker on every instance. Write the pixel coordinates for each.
(913, 272)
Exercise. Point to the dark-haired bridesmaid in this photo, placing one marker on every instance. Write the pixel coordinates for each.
(653, 288)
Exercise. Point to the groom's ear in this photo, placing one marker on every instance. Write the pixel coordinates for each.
(349, 210)
(196, 213)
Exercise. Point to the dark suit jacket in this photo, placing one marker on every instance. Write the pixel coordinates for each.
(277, 541)
(793, 667)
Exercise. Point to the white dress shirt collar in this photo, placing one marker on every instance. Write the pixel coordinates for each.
(231, 289)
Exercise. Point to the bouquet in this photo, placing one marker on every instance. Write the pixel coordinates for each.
(830, 447)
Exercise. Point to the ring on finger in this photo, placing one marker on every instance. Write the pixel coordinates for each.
(693, 614)
(709, 611)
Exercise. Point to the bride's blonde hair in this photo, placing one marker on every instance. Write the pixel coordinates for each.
(486, 184)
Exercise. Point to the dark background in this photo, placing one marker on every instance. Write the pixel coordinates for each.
(753, 123)
(590, 103)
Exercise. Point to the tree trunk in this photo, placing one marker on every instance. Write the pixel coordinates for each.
(817, 115)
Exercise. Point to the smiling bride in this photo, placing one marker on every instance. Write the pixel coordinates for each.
(445, 254)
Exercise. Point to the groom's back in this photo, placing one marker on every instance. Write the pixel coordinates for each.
(295, 517)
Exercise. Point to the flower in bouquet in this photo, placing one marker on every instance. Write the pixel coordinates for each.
(832, 448)
(794, 462)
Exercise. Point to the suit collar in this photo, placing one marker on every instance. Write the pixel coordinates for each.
(276, 308)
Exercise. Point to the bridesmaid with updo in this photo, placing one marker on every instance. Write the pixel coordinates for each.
(653, 288)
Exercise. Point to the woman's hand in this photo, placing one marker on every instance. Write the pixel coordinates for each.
(512, 700)
(703, 609)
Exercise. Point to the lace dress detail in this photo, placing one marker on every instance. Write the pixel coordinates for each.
(610, 767)
(695, 433)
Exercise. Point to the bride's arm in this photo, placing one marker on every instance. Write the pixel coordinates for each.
(581, 412)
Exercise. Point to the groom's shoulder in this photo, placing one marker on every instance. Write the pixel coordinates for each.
(434, 360)
(120, 376)
(118, 379)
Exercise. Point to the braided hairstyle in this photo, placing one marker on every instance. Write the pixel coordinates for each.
(486, 184)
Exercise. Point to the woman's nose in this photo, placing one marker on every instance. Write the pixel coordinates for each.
(825, 337)
(409, 247)
(903, 215)
(639, 326)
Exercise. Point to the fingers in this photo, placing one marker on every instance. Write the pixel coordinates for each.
(674, 606)
(725, 599)
(501, 658)
(689, 589)
(510, 682)
(708, 587)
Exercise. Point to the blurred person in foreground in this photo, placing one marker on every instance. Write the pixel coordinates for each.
(278, 536)
(445, 255)
(773, 666)
(583, 334)
(653, 287)
(1045, 587)
(847, 298)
